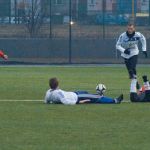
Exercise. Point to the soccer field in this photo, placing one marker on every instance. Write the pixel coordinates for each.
(32, 125)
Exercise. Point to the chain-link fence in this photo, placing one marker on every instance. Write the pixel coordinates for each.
(71, 28)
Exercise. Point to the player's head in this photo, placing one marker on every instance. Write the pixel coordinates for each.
(53, 83)
(130, 28)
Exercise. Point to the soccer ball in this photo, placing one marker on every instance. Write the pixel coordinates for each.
(100, 89)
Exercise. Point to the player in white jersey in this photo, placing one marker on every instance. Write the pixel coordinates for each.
(57, 96)
(127, 44)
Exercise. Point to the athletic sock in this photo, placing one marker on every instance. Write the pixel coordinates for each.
(147, 85)
(133, 86)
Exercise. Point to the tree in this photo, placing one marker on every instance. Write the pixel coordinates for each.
(33, 18)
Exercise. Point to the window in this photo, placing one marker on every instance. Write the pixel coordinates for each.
(58, 2)
(92, 1)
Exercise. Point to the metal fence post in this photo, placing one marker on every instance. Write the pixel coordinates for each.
(104, 5)
(149, 12)
(133, 11)
(70, 32)
(10, 12)
(132, 8)
(15, 11)
(50, 18)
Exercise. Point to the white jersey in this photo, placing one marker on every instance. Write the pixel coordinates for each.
(124, 42)
(60, 96)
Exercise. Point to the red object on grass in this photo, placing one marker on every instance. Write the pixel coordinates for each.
(2, 54)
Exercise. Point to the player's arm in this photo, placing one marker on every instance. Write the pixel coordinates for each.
(47, 98)
(119, 43)
(68, 102)
(4, 56)
(84, 101)
(143, 42)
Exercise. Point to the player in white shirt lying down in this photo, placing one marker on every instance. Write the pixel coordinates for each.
(57, 96)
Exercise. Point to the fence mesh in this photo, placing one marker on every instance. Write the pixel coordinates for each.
(69, 29)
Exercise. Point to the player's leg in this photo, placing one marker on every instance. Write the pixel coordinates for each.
(133, 91)
(133, 62)
(145, 95)
(95, 99)
(134, 97)
(108, 100)
(81, 92)
(131, 66)
(102, 100)
(147, 89)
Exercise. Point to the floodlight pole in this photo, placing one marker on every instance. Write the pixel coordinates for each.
(70, 32)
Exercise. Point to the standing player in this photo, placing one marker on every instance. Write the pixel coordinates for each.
(127, 44)
(4, 56)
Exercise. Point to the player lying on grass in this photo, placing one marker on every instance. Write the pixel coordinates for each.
(57, 96)
(2, 55)
(143, 95)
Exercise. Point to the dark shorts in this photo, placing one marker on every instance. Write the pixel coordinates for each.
(143, 97)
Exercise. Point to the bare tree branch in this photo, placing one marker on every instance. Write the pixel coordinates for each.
(33, 17)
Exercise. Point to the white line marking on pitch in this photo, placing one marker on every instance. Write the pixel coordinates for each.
(20, 100)
(36, 101)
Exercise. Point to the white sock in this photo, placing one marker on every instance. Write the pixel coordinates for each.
(133, 86)
(147, 85)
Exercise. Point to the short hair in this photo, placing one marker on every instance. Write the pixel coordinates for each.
(131, 24)
(53, 83)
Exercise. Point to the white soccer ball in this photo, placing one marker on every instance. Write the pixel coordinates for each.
(101, 89)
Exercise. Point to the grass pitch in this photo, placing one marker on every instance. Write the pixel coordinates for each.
(36, 126)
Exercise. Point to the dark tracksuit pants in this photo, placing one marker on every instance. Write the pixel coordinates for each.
(131, 66)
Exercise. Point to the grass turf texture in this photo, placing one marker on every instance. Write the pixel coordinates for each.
(35, 126)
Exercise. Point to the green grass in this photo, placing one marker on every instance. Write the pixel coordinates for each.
(36, 126)
(32, 82)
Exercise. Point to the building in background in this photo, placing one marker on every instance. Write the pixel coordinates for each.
(81, 9)
(5, 8)
(142, 6)
(126, 6)
(96, 6)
